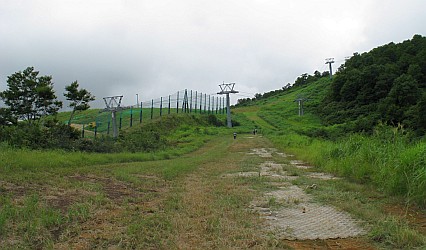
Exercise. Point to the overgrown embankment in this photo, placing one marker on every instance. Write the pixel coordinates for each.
(164, 138)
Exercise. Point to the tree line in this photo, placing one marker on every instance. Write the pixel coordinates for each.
(29, 98)
(28, 120)
(387, 84)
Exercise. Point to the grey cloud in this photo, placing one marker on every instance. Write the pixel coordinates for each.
(155, 48)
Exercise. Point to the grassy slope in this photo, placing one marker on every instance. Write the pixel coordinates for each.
(101, 118)
(386, 158)
(186, 137)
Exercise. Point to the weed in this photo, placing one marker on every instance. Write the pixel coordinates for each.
(272, 202)
(78, 212)
(396, 233)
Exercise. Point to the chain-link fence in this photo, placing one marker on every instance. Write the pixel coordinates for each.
(185, 101)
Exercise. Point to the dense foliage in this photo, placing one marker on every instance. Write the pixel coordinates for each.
(386, 84)
(39, 136)
(158, 134)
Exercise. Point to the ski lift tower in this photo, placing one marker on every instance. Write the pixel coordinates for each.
(226, 89)
(113, 104)
(329, 61)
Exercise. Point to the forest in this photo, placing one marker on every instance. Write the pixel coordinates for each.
(387, 84)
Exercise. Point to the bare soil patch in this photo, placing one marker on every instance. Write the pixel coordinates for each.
(330, 244)
(12, 189)
(115, 190)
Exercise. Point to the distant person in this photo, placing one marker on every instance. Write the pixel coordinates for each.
(235, 135)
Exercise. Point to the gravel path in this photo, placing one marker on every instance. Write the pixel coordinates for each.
(291, 213)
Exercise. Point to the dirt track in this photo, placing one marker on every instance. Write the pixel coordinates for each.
(298, 217)
(243, 196)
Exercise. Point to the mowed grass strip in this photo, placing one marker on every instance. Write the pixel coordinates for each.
(86, 206)
(212, 211)
(201, 208)
(173, 203)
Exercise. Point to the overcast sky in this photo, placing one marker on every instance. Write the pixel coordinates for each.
(158, 47)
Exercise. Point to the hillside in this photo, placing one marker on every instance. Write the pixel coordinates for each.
(388, 84)
(364, 148)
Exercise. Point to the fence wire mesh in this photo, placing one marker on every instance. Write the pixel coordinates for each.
(183, 101)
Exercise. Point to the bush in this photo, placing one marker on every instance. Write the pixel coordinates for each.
(213, 120)
(38, 136)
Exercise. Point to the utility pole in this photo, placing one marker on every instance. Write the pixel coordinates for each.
(300, 102)
(137, 100)
(226, 89)
(329, 61)
(113, 104)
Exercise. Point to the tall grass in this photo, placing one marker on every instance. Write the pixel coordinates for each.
(387, 159)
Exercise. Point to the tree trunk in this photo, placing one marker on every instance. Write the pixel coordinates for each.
(71, 116)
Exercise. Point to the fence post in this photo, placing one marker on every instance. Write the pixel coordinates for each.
(217, 102)
(220, 104)
(205, 102)
(177, 103)
(201, 101)
(190, 103)
(208, 110)
(213, 105)
(195, 106)
(185, 102)
(121, 119)
(152, 108)
(161, 106)
(131, 117)
(109, 123)
(140, 115)
(169, 106)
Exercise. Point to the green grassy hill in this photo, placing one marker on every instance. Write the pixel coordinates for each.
(389, 157)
